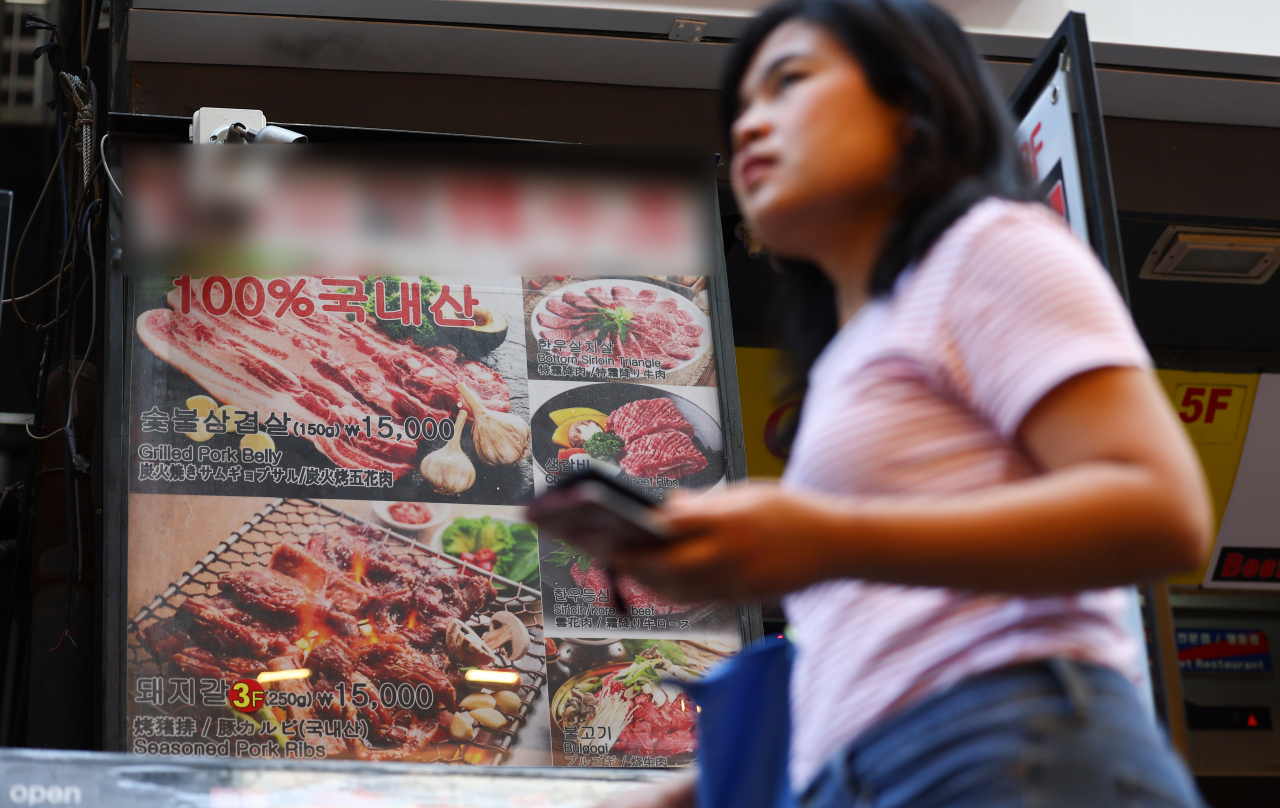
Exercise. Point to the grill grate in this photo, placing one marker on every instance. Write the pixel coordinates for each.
(286, 519)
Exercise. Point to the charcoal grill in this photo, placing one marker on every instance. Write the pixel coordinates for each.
(290, 518)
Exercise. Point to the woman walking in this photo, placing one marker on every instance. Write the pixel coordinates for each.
(983, 453)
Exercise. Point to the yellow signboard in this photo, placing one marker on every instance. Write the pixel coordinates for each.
(758, 387)
(1215, 408)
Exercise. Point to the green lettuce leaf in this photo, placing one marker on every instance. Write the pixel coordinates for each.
(468, 535)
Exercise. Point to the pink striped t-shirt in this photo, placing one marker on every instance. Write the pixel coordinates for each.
(923, 392)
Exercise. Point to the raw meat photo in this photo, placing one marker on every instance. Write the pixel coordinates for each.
(383, 394)
(323, 606)
(653, 439)
(650, 329)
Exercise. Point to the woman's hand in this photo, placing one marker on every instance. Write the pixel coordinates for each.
(745, 542)
(1121, 499)
(678, 792)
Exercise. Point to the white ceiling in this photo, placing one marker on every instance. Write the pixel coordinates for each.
(1154, 55)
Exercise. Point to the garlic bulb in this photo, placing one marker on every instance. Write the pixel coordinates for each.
(448, 468)
(499, 438)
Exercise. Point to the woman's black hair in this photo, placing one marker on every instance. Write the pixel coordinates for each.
(960, 149)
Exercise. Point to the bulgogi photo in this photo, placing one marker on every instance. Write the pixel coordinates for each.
(633, 712)
(401, 628)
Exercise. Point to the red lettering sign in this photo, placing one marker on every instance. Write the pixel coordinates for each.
(1231, 567)
(1216, 403)
(344, 302)
(466, 308)
(410, 311)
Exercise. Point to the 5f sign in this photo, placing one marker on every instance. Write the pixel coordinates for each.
(1211, 413)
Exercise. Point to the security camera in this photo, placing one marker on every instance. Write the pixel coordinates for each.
(277, 134)
(239, 133)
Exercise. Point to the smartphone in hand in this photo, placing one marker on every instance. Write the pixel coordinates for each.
(598, 515)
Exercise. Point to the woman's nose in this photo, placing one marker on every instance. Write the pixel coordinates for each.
(750, 126)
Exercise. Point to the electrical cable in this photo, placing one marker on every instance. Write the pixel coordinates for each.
(37, 290)
(102, 150)
(68, 392)
(93, 315)
(13, 276)
(27, 426)
(67, 245)
(82, 93)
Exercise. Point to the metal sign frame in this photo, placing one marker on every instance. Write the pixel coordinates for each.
(126, 128)
(1070, 47)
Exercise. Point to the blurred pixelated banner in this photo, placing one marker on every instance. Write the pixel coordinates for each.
(318, 211)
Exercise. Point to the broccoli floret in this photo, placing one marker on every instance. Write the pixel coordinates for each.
(604, 446)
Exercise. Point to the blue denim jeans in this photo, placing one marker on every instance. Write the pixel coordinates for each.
(1054, 734)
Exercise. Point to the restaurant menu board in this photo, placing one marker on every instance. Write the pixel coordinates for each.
(338, 409)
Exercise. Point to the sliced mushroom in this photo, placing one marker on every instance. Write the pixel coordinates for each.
(466, 646)
(507, 635)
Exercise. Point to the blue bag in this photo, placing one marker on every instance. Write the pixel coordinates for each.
(744, 729)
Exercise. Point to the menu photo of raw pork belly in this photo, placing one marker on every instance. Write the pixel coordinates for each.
(367, 644)
(383, 403)
(642, 329)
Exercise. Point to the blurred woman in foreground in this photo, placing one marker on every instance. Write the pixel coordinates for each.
(983, 453)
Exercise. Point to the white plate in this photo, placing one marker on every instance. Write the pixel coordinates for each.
(636, 285)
